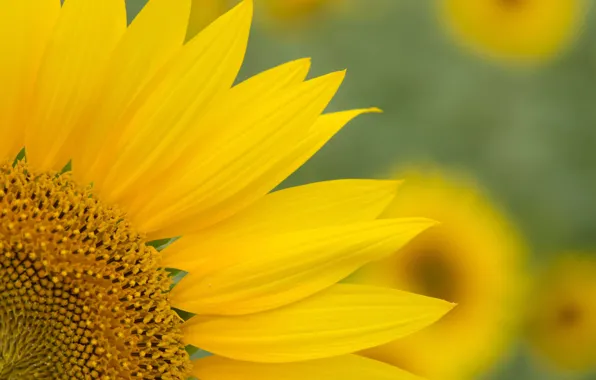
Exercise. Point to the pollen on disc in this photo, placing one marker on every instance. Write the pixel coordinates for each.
(81, 295)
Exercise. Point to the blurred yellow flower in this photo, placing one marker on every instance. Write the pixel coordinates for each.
(284, 15)
(293, 10)
(472, 259)
(203, 13)
(280, 13)
(289, 16)
(562, 319)
(514, 30)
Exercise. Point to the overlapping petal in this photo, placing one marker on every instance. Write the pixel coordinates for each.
(273, 270)
(25, 28)
(297, 208)
(85, 35)
(220, 179)
(161, 120)
(284, 156)
(340, 320)
(133, 64)
(174, 161)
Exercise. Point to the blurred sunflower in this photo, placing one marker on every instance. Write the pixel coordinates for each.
(130, 135)
(281, 13)
(297, 10)
(203, 13)
(562, 315)
(472, 258)
(515, 30)
(289, 14)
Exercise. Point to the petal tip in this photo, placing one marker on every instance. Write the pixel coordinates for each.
(447, 307)
(306, 61)
(425, 223)
(246, 6)
(303, 64)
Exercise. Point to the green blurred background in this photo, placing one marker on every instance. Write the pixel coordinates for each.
(527, 134)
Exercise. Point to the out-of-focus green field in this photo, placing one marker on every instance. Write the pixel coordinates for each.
(527, 134)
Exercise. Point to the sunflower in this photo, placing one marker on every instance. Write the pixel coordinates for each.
(562, 313)
(471, 258)
(129, 138)
(514, 30)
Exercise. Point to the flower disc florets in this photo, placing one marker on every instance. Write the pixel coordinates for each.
(81, 294)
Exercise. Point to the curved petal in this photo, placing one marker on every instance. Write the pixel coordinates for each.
(155, 34)
(341, 320)
(346, 367)
(236, 154)
(249, 175)
(202, 72)
(175, 161)
(263, 86)
(85, 35)
(313, 205)
(303, 207)
(275, 270)
(25, 28)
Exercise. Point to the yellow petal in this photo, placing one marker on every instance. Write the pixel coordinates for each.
(25, 28)
(290, 157)
(133, 64)
(285, 156)
(343, 319)
(234, 158)
(309, 206)
(345, 367)
(85, 35)
(324, 129)
(268, 84)
(270, 271)
(202, 72)
(314, 205)
(302, 207)
(264, 85)
(251, 92)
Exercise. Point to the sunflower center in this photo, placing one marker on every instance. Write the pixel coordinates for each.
(510, 4)
(568, 315)
(432, 275)
(81, 295)
(430, 266)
